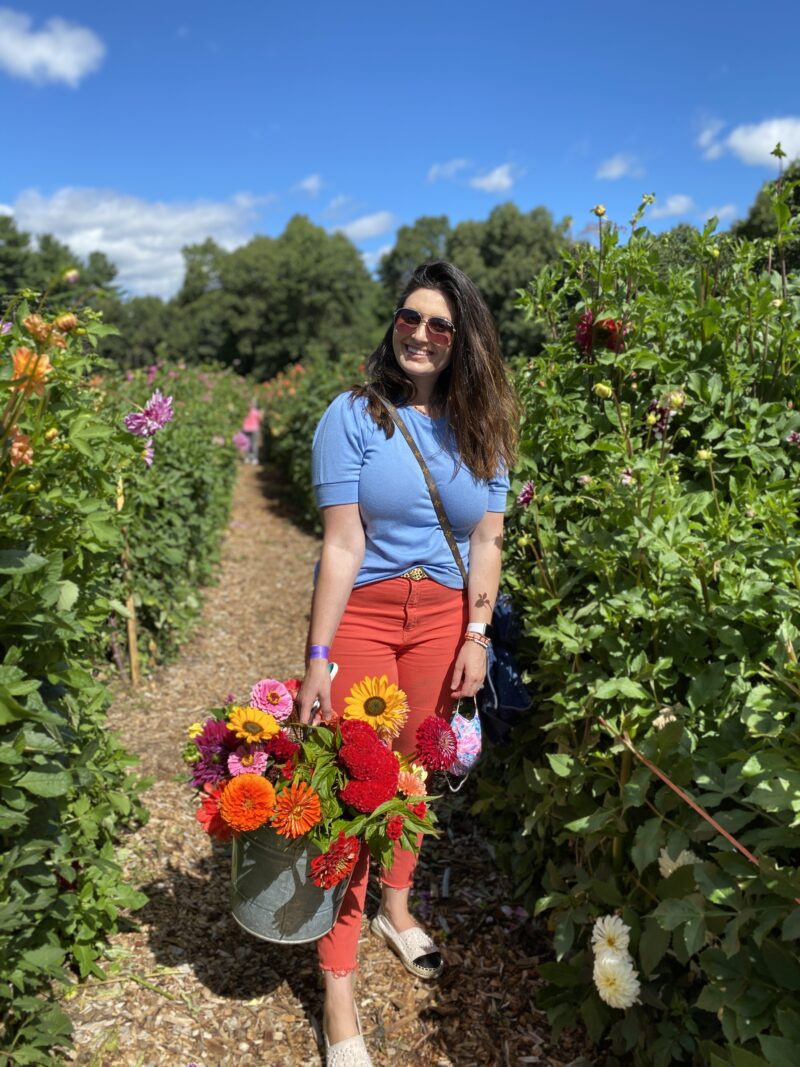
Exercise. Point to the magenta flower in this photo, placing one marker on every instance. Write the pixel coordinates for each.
(526, 494)
(246, 761)
(241, 440)
(584, 332)
(272, 696)
(5, 327)
(149, 452)
(793, 438)
(155, 415)
(627, 476)
(152, 373)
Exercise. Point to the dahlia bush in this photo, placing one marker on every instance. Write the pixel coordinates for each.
(337, 784)
(653, 558)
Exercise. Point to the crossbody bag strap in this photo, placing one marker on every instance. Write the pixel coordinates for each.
(436, 500)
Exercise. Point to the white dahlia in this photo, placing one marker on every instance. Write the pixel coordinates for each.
(610, 934)
(616, 980)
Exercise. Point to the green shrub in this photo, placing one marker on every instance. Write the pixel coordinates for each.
(656, 572)
(81, 517)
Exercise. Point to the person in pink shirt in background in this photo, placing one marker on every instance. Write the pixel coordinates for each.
(252, 427)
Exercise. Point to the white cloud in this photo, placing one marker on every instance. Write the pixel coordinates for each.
(59, 52)
(725, 212)
(372, 259)
(677, 204)
(753, 144)
(311, 185)
(498, 180)
(6, 209)
(142, 238)
(446, 170)
(620, 166)
(368, 226)
(707, 139)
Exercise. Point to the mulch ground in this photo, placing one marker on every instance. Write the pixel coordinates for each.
(185, 985)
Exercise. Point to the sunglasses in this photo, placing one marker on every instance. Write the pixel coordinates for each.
(440, 331)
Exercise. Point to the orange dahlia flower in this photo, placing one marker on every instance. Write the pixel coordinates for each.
(33, 367)
(247, 802)
(297, 809)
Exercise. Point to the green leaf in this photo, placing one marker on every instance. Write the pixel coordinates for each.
(653, 943)
(779, 1051)
(646, 844)
(68, 594)
(20, 561)
(561, 763)
(46, 783)
(625, 687)
(791, 925)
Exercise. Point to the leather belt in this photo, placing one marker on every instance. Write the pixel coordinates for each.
(416, 574)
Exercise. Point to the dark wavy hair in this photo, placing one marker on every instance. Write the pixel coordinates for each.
(473, 390)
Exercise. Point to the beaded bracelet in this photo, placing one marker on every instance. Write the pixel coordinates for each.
(479, 639)
(319, 652)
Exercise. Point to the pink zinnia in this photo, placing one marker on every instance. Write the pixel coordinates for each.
(272, 696)
(241, 441)
(155, 415)
(247, 761)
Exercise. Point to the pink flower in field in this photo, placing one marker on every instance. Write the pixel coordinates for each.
(152, 373)
(627, 476)
(526, 494)
(129, 375)
(155, 415)
(272, 696)
(218, 440)
(149, 452)
(5, 327)
(241, 440)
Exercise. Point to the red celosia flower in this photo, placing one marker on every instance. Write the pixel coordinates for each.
(394, 828)
(436, 744)
(364, 762)
(209, 817)
(358, 731)
(336, 864)
(367, 796)
(420, 809)
(287, 770)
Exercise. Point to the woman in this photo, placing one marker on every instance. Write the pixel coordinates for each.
(389, 598)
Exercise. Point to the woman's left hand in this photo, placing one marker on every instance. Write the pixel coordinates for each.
(470, 670)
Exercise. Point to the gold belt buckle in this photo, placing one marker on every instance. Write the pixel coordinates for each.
(416, 574)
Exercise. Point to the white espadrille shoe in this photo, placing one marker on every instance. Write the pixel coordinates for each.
(415, 949)
(352, 1052)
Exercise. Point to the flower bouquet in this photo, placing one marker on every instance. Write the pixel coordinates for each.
(315, 794)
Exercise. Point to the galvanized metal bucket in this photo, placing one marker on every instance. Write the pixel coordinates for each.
(272, 895)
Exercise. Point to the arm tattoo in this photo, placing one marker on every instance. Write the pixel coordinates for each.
(483, 601)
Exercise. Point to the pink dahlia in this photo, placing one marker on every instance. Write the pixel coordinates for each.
(526, 494)
(153, 417)
(241, 441)
(436, 744)
(272, 696)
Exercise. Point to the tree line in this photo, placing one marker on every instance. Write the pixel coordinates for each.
(307, 292)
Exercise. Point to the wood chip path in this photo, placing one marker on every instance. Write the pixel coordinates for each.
(185, 986)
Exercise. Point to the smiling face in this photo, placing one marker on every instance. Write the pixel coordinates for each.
(419, 358)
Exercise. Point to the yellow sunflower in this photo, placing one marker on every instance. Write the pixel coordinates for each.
(252, 724)
(379, 703)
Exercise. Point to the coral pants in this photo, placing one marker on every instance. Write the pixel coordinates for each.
(411, 632)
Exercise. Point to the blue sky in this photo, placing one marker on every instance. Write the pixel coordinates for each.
(139, 128)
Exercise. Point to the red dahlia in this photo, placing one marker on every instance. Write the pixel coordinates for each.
(394, 828)
(436, 744)
(332, 866)
(281, 747)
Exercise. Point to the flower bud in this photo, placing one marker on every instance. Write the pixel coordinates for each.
(777, 303)
(704, 455)
(51, 434)
(66, 322)
(652, 419)
(72, 276)
(714, 252)
(599, 210)
(676, 400)
(603, 390)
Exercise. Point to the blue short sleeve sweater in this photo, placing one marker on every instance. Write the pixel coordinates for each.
(352, 462)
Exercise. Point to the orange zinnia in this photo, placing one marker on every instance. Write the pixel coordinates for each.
(297, 810)
(32, 366)
(247, 802)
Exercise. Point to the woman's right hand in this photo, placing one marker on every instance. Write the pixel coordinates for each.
(316, 685)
